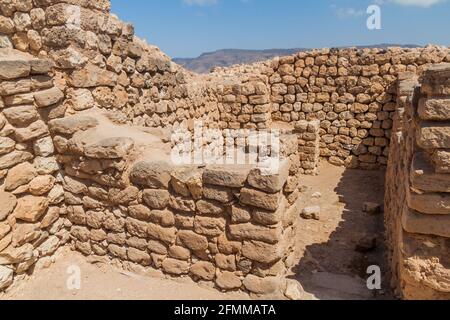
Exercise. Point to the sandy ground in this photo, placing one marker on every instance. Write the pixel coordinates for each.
(327, 264)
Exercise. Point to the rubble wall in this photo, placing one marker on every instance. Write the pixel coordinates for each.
(32, 224)
(417, 215)
(352, 92)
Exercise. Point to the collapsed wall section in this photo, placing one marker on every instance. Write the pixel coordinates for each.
(417, 212)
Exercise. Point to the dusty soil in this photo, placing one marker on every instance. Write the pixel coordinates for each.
(327, 264)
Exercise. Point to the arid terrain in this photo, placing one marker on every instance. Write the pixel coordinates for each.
(331, 268)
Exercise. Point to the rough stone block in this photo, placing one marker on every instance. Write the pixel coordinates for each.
(226, 176)
(435, 225)
(260, 199)
(423, 176)
(155, 175)
(435, 109)
(270, 183)
(433, 135)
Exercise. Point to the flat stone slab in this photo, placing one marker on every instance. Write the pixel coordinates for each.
(436, 225)
(424, 177)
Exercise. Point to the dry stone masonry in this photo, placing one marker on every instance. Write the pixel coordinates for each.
(416, 198)
(87, 113)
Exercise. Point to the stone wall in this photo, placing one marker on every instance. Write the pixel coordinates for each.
(230, 226)
(351, 92)
(417, 185)
(32, 226)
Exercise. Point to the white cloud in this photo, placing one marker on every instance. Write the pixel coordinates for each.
(200, 2)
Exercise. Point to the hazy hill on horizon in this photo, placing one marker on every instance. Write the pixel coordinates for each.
(228, 57)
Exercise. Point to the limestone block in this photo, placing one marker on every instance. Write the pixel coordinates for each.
(435, 109)
(8, 201)
(270, 183)
(72, 124)
(226, 176)
(430, 203)
(155, 175)
(433, 135)
(260, 199)
(193, 241)
(435, 225)
(423, 176)
(30, 208)
(249, 231)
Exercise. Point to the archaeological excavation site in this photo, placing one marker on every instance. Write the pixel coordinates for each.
(90, 116)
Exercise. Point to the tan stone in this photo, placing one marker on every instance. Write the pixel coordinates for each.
(203, 270)
(260, 199)
(228, 281)
(41, 185)
(437, 225)
(226, 176)
(20, 175)
(30, 208)
(156, 199)
(193, 241)
(175, 267)
(262, 252)
(249, 231)
(259, 285)
(8, 202)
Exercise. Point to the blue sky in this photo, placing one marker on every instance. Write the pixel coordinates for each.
(187, 28)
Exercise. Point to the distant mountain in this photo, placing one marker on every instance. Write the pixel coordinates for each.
(228, 57)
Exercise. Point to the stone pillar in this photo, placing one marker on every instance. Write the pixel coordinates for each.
(308, 145)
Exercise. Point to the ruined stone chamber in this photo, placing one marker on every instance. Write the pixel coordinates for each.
(88, 114)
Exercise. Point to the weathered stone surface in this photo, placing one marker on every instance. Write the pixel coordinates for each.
(6, 145)
(207, 226)
(20, 175)
(203, 270)
(262, 252)
(221, 194)
(13, 255)
(311, 213)
(240, 214)
(24, 233)
(182, 204)
(433, 135)
(423, 176)
(249, 231)
(15, 157)
(8, 203)
(93, 76)
(35, 130)
(441, 160)
(429, 203)
(228, 281)
(72, 124)
(155, 175)
(270, 183)
(166, 235)
(193, 241)
(110, 148)
(175, 267)
(226, 176)
(139, 256)
(43, 147)
(13, 68)
(48, 97)
(260, 199)
(436, 225)
(21, 116)
(259, 285)
(210, 208)
(136, 228)
(435, 109)
(30, 208)
(6, 277)
(179, 253)
(156, 199)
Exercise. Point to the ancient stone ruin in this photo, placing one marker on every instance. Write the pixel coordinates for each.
(87, 112)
